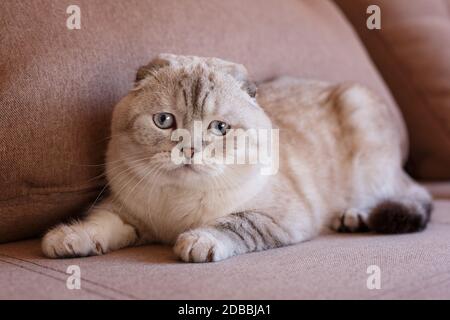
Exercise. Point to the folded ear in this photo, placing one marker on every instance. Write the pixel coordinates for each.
(149, 69)
(237, 71)
(250, 87)
(163, 60)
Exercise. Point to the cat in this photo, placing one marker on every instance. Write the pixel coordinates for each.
(341, 151)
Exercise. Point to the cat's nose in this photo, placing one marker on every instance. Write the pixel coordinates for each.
(188, 152)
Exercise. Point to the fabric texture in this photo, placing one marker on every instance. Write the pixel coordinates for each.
(58, 86)
(412, 51)
(333, 266)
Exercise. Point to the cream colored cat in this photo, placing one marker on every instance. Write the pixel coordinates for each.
(341, 156)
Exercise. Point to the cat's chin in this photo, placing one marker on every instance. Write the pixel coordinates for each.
(193, 170)
(190, 176)
(192, 173)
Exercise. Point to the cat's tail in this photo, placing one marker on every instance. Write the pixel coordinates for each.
(403, 208)
(407, 210)
(391, 216)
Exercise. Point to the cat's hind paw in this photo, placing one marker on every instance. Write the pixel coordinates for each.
(200, 246)
(352, 220)
(69, 241)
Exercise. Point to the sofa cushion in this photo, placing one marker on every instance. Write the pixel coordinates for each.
(412, 51)
(333, 266)
(58, 86)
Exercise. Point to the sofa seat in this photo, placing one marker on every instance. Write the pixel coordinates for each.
(333, 265)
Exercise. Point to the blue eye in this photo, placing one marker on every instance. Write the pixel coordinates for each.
(219, 128)
(164, 120)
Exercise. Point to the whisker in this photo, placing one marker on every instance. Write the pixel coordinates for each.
(151, 170)
(111, 136)
(109, 183)
(105, 163)
(155, 179)
(125, 163)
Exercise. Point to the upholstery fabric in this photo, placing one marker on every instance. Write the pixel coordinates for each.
(412, 51)
(58, 86)
(333, 266)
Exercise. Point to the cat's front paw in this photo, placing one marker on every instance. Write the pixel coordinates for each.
(200, 246)
(69, 241)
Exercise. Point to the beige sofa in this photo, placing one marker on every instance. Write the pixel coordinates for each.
(58, 87)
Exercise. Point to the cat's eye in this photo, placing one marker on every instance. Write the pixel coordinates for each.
(219, 128)
(164, 120)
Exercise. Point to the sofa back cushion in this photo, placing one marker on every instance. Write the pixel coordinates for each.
(412, 51)
(58, 86)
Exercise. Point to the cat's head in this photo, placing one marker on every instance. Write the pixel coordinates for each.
(182, 111)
